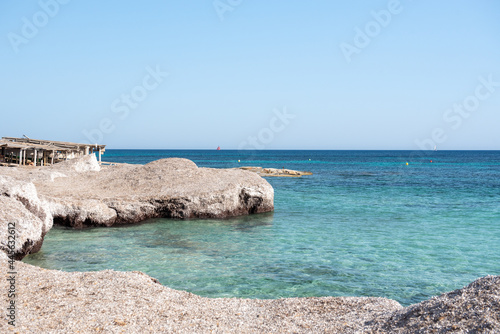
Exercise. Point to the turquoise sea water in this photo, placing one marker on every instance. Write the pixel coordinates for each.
(365, 224)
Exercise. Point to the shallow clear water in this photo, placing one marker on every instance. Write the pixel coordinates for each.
(365, 224)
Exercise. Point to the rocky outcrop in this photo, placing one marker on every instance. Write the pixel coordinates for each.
(27, 216)
(169, 188)
(79, 193)
(268, 172)
(472, 309)
(132, 302)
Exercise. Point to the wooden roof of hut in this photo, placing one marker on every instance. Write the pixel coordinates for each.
(29, 146)
(28, 143)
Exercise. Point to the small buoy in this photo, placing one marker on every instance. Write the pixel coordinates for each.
(309, 159)
(406, 164)
(431, 160)
(238, 161)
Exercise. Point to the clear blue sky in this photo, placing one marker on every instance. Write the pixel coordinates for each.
(230, 67)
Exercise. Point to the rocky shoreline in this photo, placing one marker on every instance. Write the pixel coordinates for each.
(80, 193)
(132, 302)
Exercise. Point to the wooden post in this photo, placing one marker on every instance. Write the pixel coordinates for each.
(20, 156)
(86, 150)
(35, 157)
(100, 154)
(52, 161)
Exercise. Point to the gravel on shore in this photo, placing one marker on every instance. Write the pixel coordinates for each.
(473, 309)
(132, 302)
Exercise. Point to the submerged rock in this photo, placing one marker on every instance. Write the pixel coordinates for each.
(79, 193)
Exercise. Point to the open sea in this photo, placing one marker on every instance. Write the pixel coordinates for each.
(365, 224)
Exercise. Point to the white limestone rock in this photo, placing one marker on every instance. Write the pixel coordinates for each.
(29, 217)
(79, 193)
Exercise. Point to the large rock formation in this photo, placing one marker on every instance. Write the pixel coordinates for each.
(79, 193)
(170, 188)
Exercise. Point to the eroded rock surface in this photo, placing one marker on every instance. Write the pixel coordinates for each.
(472, 309)
(170, 188)
(80, 193)
(132, 302)
(22, 212)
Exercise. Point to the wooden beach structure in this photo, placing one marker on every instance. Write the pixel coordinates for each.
(37, 152)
